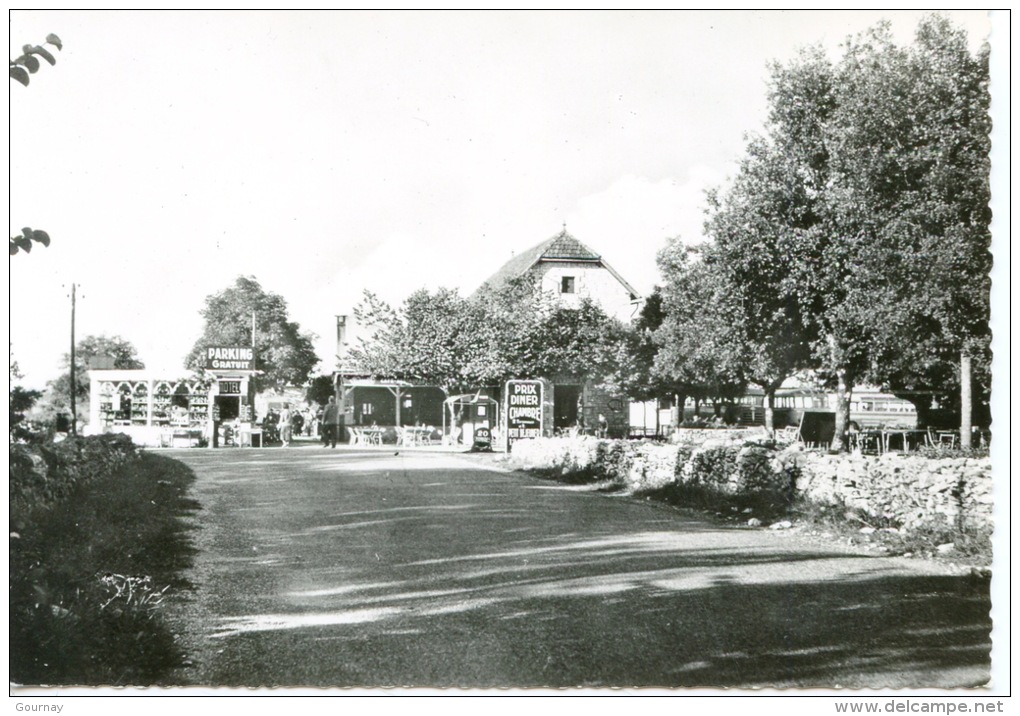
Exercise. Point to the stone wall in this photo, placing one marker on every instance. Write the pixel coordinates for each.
(902, 491)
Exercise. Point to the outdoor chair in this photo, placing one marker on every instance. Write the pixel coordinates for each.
(941, 438)
(788, 435)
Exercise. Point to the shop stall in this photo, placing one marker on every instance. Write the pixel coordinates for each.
(152, 409)
(213, 408)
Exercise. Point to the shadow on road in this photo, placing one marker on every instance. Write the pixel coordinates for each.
(625, 613)
(368, 575)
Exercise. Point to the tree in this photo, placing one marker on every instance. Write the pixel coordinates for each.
(284, 355)
(635, 374)
(428, 340)
(754, 226)
(114, 351)
(871, 178)
(19, 70)
(377, 352)
(509, 320)
(28, 62)
(579, 343)
(319, 390)
(916, 167)
(699, 353)
(519, 331)
(23, 241)
(514, 331)
(21, 401)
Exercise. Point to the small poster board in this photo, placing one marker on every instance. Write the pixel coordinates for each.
(482, 440)
(817, 427)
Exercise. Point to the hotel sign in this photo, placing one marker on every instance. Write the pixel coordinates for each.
(523, 410)
(230, 358)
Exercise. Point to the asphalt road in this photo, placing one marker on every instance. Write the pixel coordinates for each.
(320, 567)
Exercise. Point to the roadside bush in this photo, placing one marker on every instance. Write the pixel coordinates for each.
(574, 459)
(41, 475)
(89, 573)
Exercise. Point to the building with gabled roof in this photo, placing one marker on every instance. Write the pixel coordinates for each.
(571, 270)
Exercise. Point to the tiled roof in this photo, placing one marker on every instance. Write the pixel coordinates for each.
(565, 246)
(562, 247)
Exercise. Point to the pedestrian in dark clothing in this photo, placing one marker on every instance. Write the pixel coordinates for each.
(330, 423)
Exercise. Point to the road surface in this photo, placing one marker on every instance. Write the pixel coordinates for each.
(319, 567)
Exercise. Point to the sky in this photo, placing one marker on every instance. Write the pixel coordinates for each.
(328, 153)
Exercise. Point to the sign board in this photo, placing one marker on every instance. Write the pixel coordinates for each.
(229, 387)
(523, 410)
(230, 358)
(482, 440)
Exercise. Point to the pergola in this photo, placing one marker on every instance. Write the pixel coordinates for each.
(469, 400)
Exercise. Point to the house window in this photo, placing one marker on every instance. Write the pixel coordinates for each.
(567, 284)
(366, 408)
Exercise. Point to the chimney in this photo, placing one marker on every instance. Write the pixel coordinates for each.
(341, 335)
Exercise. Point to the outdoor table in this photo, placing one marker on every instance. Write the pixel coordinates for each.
(904, 434)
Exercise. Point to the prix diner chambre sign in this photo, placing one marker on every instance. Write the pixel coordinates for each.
(230, 358)
(523, 410)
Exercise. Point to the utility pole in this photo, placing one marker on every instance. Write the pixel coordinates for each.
(74, 387)
(338, 376)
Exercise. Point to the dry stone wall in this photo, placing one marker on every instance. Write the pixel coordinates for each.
(902, 491)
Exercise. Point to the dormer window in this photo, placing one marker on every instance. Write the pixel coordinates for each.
(567, 284)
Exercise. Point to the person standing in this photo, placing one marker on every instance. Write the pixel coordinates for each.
(285, 427)
(330, 422)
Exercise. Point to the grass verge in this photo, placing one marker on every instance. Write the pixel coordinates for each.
(89, 575)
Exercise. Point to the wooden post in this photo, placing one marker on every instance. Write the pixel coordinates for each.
(74, 384)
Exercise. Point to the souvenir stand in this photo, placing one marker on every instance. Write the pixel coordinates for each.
(213, 408)
(153, 410)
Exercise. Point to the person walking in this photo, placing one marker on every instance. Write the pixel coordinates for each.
(330, 422)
